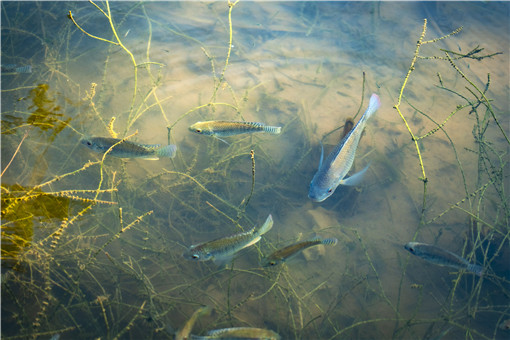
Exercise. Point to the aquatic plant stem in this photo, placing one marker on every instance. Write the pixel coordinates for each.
(15, 152)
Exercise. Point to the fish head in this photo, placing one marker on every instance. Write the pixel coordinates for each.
(90, 143)
(319, 194)
(196, 254)
(411, 247)
(269, 262)
(201, 128)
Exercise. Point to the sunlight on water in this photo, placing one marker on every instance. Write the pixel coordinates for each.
(92, 246)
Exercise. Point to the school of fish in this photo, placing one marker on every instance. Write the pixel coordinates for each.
(332, 172)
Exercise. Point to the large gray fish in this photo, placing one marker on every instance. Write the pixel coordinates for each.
(128, 149)
(221, 250)
(442, 257)
(285, 253)
(333, 170)
(239, 333)
(220, 128)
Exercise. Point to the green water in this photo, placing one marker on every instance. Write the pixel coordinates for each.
(92, 248)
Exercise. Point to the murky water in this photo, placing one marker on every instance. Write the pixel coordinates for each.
(92, 248)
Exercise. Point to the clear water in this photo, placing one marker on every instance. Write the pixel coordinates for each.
(94, 250)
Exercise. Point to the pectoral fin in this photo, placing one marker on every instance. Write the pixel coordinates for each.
(322, 155)
(355, 179)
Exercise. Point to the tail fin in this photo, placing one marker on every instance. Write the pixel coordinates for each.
(275, 130)
(373, 105)
(167, 151)
(330, 241)
(266, 226)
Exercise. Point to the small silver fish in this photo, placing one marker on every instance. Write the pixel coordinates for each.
(239, 333)
(220, 128)
(184, 332)
(332, 171)
(221, 250)
(505, 325)
(287, 252)
(442, 257)
(128, 149)
(12, 68)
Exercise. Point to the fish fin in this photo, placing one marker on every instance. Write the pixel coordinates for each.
(356, 178)
(275, 130)
(150, 158)
(268, 224)
(224, 141)
(252, 242)
(322, 154)
(167, 151)
(373, 105)
(330, 241)
(222, 261)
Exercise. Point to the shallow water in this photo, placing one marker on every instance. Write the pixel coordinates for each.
(95, 249)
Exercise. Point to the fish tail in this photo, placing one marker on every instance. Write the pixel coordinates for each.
(478, 270)
(268, 224)
(167, 151)
(275, 130)
(329, 241)
(373, 105)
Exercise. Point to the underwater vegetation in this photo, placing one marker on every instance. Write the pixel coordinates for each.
(92, 244)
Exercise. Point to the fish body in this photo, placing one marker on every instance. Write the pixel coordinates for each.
(281, 255)
(332, 171)
(240, 333)
(221, 250)
(127, 149)
(184, 332)
(442, 257)
(220, 128)
(12, 68)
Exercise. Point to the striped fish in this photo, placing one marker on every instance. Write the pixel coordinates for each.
(13, 68)
(282, 255)
(220, 128)
(221, 250)
(333, 170)
(442, 257)
(127, 149)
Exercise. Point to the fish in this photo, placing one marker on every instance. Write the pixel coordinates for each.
(223, 249)
(221, 128)
(332, 171)
(184, 332)
(127, 149)
(505, 325)
(13, 68)
(442, 257)
(239, 333)
(283, 254)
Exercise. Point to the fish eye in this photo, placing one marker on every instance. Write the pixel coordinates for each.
(195, 256)
(89, 143)
(272, 263)
(411, 250)
(330, 191)
(198, 130)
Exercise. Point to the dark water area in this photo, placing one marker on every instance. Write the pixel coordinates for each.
(92, 246)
